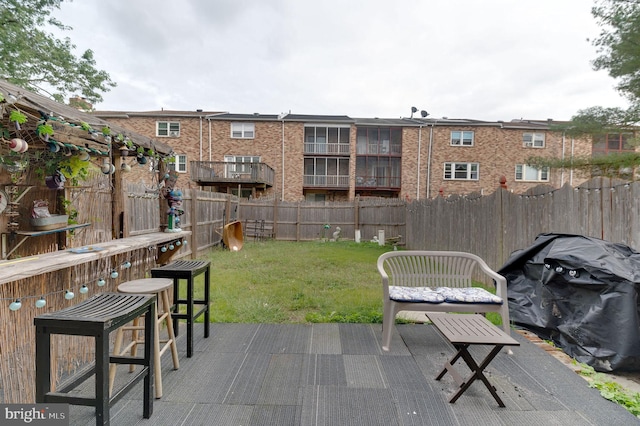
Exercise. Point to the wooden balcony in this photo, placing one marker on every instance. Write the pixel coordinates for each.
(223, 174)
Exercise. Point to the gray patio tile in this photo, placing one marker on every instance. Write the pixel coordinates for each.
(359, 339)
(281, 338)
(247, 380)
(417, 408)
(324, 369)
(275, 415)
(402, 372)
(340, 406)
(282, 384)
(218, 414)
(364, 371)
(325, 339)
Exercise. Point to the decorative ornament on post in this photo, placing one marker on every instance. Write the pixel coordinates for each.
(174, 199)
(107, 168)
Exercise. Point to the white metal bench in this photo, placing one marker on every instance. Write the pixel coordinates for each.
(437, 281)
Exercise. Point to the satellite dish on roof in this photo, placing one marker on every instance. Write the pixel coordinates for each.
(424, 113)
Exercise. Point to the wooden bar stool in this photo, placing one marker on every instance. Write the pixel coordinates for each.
(160, 287)
(188, 270)
(96, 317)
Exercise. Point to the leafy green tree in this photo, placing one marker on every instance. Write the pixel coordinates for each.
(618, 48)
(35, 59)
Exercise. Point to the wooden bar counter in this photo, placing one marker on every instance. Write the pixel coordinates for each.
(26, 267)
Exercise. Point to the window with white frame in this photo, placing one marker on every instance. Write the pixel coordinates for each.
(179, 163)
(461, 171)
(462, 137)
(533, 140)
(531, 174)
(243, 130)
(168, 128)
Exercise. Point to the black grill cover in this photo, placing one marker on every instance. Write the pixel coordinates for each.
(582, 294)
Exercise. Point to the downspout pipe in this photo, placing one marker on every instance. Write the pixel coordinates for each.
(282, 191)
(210, 142)
(429, 160)
(564, 141)
(200, 138)
(281, 117)
(419, 152)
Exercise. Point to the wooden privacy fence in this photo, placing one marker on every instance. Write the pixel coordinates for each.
(491, 226)
(304, 221)
(495, 225)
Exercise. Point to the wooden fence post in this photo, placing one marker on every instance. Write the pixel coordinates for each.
(194, 223)
(298, 223)
(275, 217)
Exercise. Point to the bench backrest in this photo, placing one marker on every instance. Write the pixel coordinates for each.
(417, 268)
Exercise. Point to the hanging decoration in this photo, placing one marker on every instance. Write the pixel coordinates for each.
(69, 294)
(174, 199)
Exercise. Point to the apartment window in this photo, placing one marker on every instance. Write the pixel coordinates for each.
(168, 128)
(179, 164)
(326, 171)
(378, 141)
(326, 139)
(461, 138)
(243, 130)
(531, 174)
(613, 142)
(461, 171)
(240, 165)
(378, 171)
(533, 140)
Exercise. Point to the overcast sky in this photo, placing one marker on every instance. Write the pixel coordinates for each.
(486, 60)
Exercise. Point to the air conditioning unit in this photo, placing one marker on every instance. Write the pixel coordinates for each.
(174, 134)
(529, 144)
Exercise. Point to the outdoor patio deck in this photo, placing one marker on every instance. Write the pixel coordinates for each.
(337, 374)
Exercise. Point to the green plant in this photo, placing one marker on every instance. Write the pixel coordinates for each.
(73, 168)
(44, 129)
(18, 117)
(611, 390)
(70, 211)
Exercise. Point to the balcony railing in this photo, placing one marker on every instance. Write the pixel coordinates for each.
(336, 181)
(378, 182)
(222, 172)
(327, 148)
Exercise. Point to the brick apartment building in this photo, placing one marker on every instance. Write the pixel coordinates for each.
(319, 157)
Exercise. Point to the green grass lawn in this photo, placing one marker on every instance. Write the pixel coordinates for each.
(297, 282)
(291, 282)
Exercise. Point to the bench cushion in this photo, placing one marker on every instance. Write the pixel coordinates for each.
(442, 294)
(414, 294)
(468, 295)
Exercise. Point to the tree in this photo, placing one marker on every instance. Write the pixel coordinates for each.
(35, 59)
(618, 48)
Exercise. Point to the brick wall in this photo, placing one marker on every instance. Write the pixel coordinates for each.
(496, 149)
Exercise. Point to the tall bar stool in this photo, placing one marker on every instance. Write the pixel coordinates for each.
(160, 287)
(188, 270)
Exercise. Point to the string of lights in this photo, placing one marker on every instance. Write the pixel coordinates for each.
(70, 292)
(475, 196)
